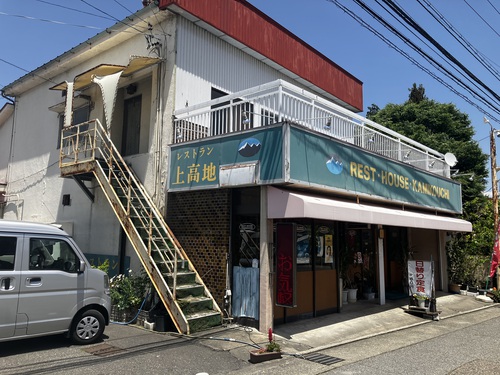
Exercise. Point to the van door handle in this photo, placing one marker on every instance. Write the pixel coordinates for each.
(5, 284)
(33, 281)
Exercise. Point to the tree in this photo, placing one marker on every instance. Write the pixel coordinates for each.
(444, 128)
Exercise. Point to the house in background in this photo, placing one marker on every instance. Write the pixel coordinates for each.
(205, 143)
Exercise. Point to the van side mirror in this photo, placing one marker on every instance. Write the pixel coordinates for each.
(82, 266)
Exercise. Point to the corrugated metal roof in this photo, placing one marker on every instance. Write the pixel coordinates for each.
(242, 24)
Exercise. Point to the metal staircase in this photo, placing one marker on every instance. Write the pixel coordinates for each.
(87, 149)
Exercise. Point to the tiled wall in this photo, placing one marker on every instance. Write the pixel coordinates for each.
(200, 221)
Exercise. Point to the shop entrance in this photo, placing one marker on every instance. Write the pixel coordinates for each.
(317, 291)
(359, 261)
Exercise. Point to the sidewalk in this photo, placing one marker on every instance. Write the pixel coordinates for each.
(357, 321)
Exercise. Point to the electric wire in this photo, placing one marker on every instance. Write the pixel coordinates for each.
(448, 26)
(366, 25)
(148, 31)
(410, 21)
(486, 22)
(74, 9)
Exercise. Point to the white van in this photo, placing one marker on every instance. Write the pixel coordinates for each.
(47, 286)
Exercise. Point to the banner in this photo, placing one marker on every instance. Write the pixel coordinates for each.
(286, 258)
(495, 256)
(420, 277)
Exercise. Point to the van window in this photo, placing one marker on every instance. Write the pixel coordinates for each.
(7, 253)
(52, 254)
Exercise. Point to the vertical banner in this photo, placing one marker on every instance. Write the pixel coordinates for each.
(286, 254)
(420, 277)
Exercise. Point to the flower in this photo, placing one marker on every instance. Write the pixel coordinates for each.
(272, 346)
(420, 296)
(128, 292)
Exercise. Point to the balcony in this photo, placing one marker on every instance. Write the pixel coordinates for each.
(280, 101)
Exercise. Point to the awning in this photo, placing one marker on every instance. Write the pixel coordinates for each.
(135, 64)
(285, 204)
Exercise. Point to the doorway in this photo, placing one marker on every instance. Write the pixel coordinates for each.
(131, 126)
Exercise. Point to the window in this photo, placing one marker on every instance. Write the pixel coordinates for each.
(52, 254)
(7, 253)
(80, 115)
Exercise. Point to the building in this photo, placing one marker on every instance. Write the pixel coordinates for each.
(213, 118)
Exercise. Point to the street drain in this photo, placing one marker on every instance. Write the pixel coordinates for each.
(322, 359)
(103, 350)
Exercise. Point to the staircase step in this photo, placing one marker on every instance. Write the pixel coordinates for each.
(193, 305)
(183, 277)
(203, 320)
(186, 290)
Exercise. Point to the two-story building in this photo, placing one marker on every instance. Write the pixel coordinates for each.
(202, 141)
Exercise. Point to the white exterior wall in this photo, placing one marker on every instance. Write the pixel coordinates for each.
(205, 61)
(34, 173)
(5, 138)
(194, 62)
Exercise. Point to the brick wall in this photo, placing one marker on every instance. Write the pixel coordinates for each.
(200, 221)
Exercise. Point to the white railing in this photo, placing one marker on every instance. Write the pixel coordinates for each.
(280, 101)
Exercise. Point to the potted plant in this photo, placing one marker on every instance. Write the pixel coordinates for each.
(272, 350)
(127, 294)
(421, 299)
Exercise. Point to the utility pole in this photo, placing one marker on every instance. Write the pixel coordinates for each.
(494, 184)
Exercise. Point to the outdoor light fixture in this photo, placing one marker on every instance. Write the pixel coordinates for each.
(407, 155)
(328, 123)
(431, 164)
(246, 120)
(456, 174)
(372, 138)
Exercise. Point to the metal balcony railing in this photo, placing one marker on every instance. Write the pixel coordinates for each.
(280, 101)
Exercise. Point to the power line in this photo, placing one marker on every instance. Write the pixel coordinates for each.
(486, 22)
(447, 26)
(49, 21)
(429, 59)
(74, 9)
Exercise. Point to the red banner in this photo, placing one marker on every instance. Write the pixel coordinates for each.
(285, 264)
(496, 255)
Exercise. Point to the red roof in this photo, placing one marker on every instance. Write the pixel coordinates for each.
(246, 24)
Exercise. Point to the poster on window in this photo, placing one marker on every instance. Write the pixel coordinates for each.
(328, 248)
(303, 244)
(420, 277)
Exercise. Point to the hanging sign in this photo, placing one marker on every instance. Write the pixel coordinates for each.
(286, 255)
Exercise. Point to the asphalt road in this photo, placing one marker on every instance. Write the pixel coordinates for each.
(459, 345)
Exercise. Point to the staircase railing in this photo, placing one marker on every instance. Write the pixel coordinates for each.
(87, 148)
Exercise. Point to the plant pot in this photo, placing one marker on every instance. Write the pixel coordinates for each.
(121, 316)
(344, 296)
(369, 296)
(352, 295)
(421, 303)
(454, 288)
(257, 356)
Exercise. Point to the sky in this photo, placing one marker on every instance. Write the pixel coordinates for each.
(36, 31)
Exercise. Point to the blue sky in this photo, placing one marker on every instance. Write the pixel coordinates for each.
(385, 73)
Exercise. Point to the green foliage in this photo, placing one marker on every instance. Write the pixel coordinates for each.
(444, 128)
(494, 294)
(273, 346)
(128, 292)
(104, 266)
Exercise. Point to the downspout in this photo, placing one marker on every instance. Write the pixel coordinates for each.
(12, 101)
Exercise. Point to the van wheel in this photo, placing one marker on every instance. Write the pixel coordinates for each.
(87, 327)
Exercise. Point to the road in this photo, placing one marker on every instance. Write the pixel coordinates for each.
(460, 345)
